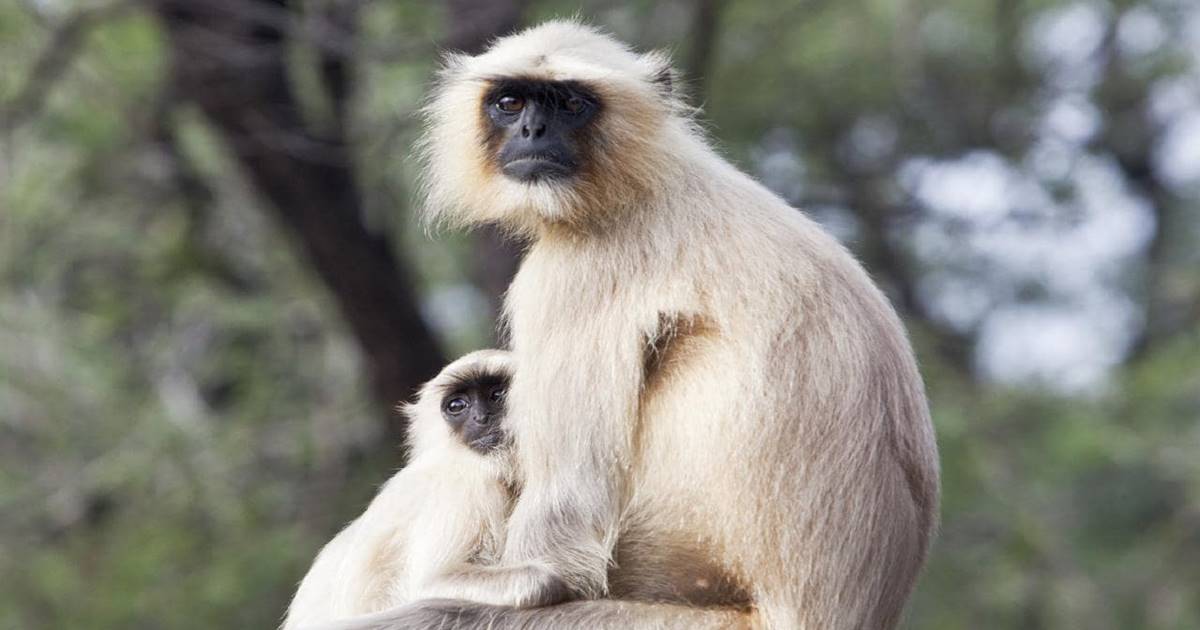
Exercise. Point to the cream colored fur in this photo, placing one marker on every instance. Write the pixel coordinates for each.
(445, 509)
(705, 374)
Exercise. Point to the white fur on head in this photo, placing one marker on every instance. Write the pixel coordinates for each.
(428, 431)
(637, 107)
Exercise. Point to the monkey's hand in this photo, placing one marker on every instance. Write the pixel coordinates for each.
(521, 586)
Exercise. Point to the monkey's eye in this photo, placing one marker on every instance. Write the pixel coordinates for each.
(510, 104)
(574, 104)
(498, 394)
(456, 405)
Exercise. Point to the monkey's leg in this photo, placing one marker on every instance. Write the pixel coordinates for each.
(600, 614)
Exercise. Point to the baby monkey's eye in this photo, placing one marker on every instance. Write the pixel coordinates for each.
(456, 405)
(510, 104)
(498, 394)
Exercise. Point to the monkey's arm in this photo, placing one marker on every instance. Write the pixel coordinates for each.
(574, 411)
(461, 523)
(576, 401)
(572, 422)
(455, 538)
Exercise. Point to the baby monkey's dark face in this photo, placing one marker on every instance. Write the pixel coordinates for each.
(538, 129)
(474, 409)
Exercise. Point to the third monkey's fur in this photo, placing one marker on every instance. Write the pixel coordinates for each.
(717, 405)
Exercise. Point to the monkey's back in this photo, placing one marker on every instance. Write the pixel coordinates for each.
(825, 391)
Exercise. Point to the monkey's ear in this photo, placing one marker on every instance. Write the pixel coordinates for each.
(407, 410)
(662, 76)
(664, 79)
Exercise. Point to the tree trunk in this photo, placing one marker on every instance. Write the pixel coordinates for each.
(229, 57)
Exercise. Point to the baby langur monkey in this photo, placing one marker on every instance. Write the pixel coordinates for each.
(446, 509)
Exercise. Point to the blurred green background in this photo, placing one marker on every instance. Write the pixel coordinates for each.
(212, 287)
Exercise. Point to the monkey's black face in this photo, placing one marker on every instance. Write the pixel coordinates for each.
(474, 409)
(538, 128)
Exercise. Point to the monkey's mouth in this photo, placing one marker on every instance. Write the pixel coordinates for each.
(487, 442)
(537, 168)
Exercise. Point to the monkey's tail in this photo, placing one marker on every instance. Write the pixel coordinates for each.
(603, 614)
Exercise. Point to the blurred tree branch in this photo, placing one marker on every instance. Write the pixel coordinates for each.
(473, 23)
(229, 58)
(66, 40)
(339, 20)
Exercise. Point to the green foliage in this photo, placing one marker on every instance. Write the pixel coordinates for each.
(1066, 511)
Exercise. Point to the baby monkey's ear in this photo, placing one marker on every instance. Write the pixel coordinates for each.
(406, 410)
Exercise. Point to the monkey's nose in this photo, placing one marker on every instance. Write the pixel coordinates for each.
(535, 130)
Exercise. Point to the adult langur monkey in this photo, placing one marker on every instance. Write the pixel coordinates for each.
(447, 508)
(704, 373)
